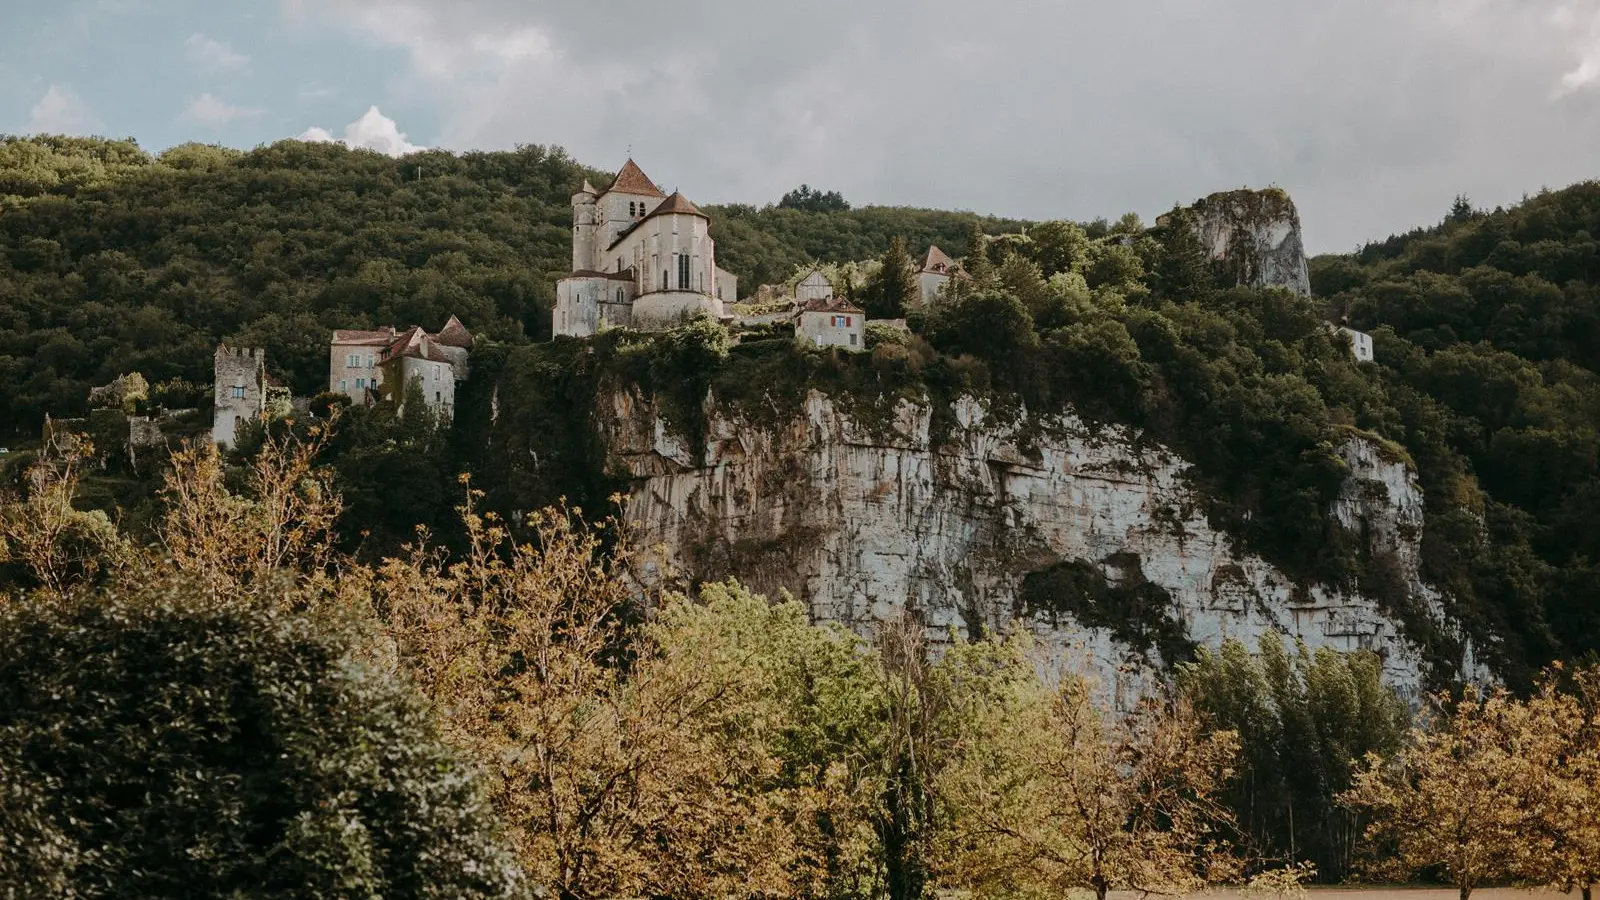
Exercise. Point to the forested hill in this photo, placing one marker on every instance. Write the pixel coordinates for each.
(113, 260)
(1490, 322)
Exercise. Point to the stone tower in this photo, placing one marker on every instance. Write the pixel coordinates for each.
(240, 393)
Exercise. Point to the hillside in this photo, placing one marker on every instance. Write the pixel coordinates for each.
(113, 260)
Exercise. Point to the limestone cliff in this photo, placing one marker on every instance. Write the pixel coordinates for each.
(1255, 236)
(862, 519)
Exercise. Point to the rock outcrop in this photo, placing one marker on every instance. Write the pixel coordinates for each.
(863, 519)
(1256, 237)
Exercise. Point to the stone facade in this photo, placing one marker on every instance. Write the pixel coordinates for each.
(863, 520)
(240, 391)
(640, 259)
(829, 322)
(369, 365)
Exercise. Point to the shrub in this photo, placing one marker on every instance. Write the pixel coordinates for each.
(180, 743)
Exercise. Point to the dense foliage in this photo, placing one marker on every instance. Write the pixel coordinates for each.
(171, 742)
(1488, 337)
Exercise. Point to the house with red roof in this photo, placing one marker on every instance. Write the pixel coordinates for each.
(640, 259)
(368, 365)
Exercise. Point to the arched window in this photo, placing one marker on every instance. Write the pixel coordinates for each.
(619, 295)
(631, 210)
(664, 275)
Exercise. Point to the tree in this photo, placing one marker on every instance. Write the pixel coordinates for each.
(179, 742)
(892, 289)
(1302, 721)
(621, 761)
(1185, 270)
(808, 200)
(1083, 801)
(1456, 797)
(60, 547)
(1565, 843)
(975, 258)
(1060, 247)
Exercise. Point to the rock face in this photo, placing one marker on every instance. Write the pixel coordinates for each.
(1256, 236)
(861, 520)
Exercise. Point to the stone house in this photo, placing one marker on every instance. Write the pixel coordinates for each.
(1360, 342)
(936, 271)
(814, 286)
(366, 365)
(640, 259)
(239, 392)
(831, 322)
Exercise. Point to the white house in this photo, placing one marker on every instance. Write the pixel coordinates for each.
(815, 286)
(1360, 342)
(937, 270)
(831, 322)
(640, 259)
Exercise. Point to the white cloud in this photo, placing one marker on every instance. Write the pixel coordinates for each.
(61, 111)
(207, 109)
(213, 55)
(373, 131)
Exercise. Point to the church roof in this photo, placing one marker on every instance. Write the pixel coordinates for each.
(632, 180)
(454, 334)
(677, 203)
(937, 262)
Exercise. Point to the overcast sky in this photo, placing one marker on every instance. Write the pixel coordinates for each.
(1374, 114)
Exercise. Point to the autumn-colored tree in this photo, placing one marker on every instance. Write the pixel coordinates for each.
(624, 763)
(1563, 849)
(281, 522)
(60, 546)
(1457, 797)
(1092, 802)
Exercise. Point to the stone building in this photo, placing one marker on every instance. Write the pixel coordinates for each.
(640, 259)
(815, 286)
(936, 271)
(831, 322)
(1360, 342)
(368, 365)
(240, 391)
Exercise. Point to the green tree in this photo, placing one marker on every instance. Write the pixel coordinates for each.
(174, 742)
(892, 289)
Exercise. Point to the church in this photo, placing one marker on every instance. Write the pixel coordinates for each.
(640, 259)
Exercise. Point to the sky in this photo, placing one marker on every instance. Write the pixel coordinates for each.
(1373, 114)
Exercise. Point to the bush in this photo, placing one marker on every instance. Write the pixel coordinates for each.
(175, 743)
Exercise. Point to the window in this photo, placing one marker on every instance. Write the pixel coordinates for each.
(852, 338)
(238, 392)
(438, 397)
(344, 386)
(664, 275)
(683, 271)
(369, 360)
(361, 384)
(619, 264)
(630, 210)
(353, 361)
(619, 295)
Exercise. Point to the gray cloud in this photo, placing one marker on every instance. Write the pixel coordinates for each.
(1372, 113)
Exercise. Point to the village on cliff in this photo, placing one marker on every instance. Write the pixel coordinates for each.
(646, 260)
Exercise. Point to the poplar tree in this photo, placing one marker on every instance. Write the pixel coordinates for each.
(893, 288)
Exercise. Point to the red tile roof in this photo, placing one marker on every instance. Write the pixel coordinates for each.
(829, 304)
(454, 334)
(936, 261)
(677, 203)
(356, 336)
(632, 180)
